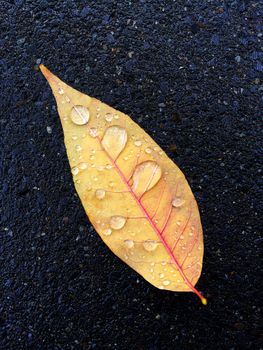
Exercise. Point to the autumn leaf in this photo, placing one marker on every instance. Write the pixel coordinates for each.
(136, 198)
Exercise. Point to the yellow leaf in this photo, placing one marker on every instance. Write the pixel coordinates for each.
(137, 199)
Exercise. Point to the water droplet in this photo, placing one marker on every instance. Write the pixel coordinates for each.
(149, 245)
(91, 157)
(164, 263)
(145, 176)
(117, 222)
(79, 115)
(100, 194)
(78, 148)
(75, 171)
(93, 132)
(177, 202)
(114, 140)
(107, 232)
(178, 223)
(108, 166)
(108, 117)
(161, 287)
(60, 91)
(166, 282)
(191, 234)
(83, 166)
(129, 243)
(116, 116)
(148, 150)
(74, 137)
(161, 275)
(67, 98)
(182, 237)
(138, 143)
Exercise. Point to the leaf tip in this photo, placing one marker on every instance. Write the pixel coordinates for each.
(46, 72)
(204, 301)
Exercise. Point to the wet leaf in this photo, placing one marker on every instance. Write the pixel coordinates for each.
(137, 199)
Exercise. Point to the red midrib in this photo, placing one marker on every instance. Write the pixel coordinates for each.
(158, 232)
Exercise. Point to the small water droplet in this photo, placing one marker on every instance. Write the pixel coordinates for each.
(138, 143)
(148, 150)
(182, 237)
(83, 166)
(117, 222)
(78, 148)
(116, 116)
(60, 91)
(74, 137)
(75, 171)
(163, 263)
(177, 202)
(166, 282)
(79, 115)
(107, 232)
(100, 194)
(191, 234)
(150, 245)
(67, 99)
(91, 157)
(114, 140)
(93, 132)
(108, 166)
(178, 222)
(108, 117)
(161, 287)
(161, 275)
(129, 243)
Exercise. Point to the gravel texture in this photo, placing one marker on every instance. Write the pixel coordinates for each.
(190, 73)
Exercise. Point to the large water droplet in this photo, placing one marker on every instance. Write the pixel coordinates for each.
(107, 232)
(117, 222)
(100, 194)
(79, 115)
(129, 243)
(177, 202)
(150, 245)
(114, 140)
(145, 176)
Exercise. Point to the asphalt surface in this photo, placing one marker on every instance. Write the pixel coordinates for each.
(190, 73)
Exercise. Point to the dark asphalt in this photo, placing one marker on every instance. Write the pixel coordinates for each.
(190, 73)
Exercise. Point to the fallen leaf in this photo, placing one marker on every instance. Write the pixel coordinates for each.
(137, 199)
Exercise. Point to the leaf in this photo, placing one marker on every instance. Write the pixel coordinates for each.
(137, 199)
